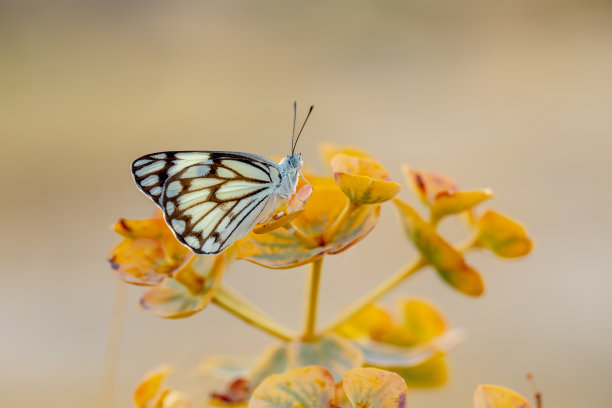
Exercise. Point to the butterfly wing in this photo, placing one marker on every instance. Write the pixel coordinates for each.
(209, 199)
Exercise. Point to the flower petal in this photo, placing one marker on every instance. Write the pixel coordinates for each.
(363, 180)
(372, 387)
(287, 213)
(426, 184)
(430, 373)
(311, 387)
(373, 322)
(329, 150)
(150, 386)
(495, 396)
(455, 202)
(502, 235)
(449, 263)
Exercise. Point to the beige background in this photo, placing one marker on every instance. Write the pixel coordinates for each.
(515, 96)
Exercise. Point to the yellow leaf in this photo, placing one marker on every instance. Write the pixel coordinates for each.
(502, 235)
(449, 263)
(373, 321)
(363, 180)
(149, 386)
(311, 387)
(455, 202)
(373, 387)
(495, 396)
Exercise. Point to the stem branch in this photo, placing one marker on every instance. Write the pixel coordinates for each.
(378, 292)
(234, 303)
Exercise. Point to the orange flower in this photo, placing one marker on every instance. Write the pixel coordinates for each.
(502, 235)
(427, 184)
(182, 283)
(314, 232)
(149, 394)
(149, 251)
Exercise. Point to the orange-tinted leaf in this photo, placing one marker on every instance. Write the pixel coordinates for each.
(426, 184)
(363, 180)
(372, 387)
(311, 387)
(148, 253)
(502, 235)
(449, 263)
(455, 202)
(495, 396)
(150, 386)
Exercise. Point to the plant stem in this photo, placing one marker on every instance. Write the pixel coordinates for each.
(113, 346)
(234, 303)
(378, 292)
(340, 220)
(313, 296)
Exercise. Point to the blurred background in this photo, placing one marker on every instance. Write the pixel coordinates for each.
(515, 96)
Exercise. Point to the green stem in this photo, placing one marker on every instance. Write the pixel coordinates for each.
(378, 292)
(313, 296)
(234, 303)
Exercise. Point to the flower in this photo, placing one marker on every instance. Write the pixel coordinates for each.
(314, 387)
(505, 237)
(362, 179)
(149, 251)
(495, 396)
(409, 344)
(427, 184)
(314, 232)
(181, 282)
(435, 250)
(148, 394)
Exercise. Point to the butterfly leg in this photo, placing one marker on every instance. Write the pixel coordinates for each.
(307, 182)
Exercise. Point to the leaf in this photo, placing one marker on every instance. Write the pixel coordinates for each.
(455, 202)
(449, 263)
(305, 387)
(495, 396)
(502, 235)
(336, 354)
(375, 388)
(372, 321)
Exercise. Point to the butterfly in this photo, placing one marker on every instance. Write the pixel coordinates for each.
(210, 199)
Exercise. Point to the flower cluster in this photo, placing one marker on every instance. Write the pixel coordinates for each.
(366, 344)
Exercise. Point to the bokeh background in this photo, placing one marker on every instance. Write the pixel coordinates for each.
(515, 96)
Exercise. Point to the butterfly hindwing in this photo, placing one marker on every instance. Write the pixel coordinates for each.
(209, 199)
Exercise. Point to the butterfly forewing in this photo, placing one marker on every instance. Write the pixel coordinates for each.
(209, 199)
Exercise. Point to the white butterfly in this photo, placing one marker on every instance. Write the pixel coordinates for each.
(211, 199)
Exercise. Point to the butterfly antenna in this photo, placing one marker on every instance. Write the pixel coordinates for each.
(302, 128)
(293, 133)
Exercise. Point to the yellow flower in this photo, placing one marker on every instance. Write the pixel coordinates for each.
(314, 232)
(149, 251)
(363, 180)
(314, 387)
(149, 394)
(502, 235)
(427, 185)
(495, 396)
(418, 324)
